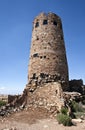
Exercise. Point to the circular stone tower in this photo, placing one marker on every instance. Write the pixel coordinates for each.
(48, 60)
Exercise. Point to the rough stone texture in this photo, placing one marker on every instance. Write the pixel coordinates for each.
(48, 54)
(77, 86)
(12, 98)
(50, 96)
(72, 96)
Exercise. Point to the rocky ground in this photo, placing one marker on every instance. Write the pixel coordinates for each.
(34, 119)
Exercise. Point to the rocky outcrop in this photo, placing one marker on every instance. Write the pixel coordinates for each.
(77, 86)
(72, 95)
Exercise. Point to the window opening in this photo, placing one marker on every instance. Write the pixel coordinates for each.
(45, 22)
(37, 24)
(55, 23)
(35, 55)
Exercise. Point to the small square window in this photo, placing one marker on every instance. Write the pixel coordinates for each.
(45, 22)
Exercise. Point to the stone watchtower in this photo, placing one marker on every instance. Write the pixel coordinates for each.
(48, 62)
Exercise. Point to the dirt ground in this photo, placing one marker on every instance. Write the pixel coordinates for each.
(35, 119)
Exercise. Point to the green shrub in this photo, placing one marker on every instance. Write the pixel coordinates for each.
(79, 114)
(64, 110)
(76, 107)
(2, 103)
(64, 119)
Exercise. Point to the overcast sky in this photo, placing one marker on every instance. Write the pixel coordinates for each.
(16, 17)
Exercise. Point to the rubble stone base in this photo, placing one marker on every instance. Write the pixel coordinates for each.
(50, 96)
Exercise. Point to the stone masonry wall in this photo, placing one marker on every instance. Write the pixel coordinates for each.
(50, 96)
(47, 54)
